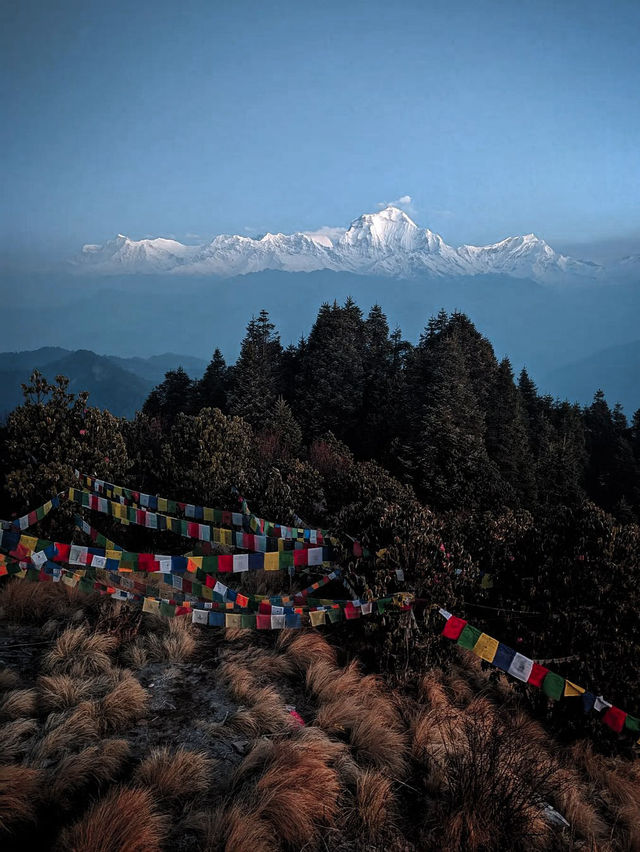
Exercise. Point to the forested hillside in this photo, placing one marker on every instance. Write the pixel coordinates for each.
(449, 487)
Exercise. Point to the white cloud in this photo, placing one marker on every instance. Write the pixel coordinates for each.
(326, 235)
(405, 201)
(193, 237)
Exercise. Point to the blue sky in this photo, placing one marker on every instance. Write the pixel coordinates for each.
(201, 117)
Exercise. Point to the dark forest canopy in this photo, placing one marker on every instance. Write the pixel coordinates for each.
(443, 415)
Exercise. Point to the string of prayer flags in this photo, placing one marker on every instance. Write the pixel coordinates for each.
(528, 671)
(241, 520)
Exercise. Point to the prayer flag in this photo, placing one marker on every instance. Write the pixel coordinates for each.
(520, 667)
(615, 719)
(454, 627)
(553, 686)
(469, 636)
(486, 647)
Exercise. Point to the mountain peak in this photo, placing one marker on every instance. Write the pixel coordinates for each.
(386, 242)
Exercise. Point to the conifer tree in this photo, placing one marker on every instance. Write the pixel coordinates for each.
(506, 439)
(171, 397)
(380, 376)
(329, 393)
(452, 468)
(256, 376)
(211, 390)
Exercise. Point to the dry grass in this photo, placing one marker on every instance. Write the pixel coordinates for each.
(134, 654)
(18, 796)
(18, 703)
(79, 653)
(374, 809)
(126, 703)
(38, 602)
(175, 777)
(95, 765)
(124, 820)
(67, 731)
(174, 642)
(572, 803)
(13, 738)
(306, 648)
(372, 725)
(8, 679)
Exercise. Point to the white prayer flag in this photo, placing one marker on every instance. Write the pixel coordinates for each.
(240, 563)
(315, 556)
(277, 621)
(39, 558)
(78, 555)
(520, 667)
(601, 704)
(200, 616)
(98, 561)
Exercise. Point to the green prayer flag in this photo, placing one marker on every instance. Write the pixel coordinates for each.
(631, 723)
(285, 558)
(382, 605)
(196, 588)
(172, 507)
(167, 609)
(249, 621)
(335, 615)
(469, 637)
(553, 686)
(85, 585)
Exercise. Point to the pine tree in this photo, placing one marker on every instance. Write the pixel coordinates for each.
(171, 397)
(329, 391)
(507, 440)
(380, 376)
(211, 390)
(256, 375)
(447, 449)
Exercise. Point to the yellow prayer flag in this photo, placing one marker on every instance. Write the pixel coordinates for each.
(234, 621)
(271, 561)
(317, 617)
(486, 647)
(206, 593)
(226, 537)
(163, 505)
(150, 605)
(113, 554)
(571, 689)
(208, 514)
(29, 541)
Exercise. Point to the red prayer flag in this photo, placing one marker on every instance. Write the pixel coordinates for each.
(225, 563)
(454, 627)
(264, 607)
(300, 557)
(193, 530)
(615, 718)
(263, 622)
(226, 518)
(538, 674)
(62, 552)
(210, 581)
(357, 549)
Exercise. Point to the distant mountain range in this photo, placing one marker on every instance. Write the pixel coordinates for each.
(119, 384)
(387, 243)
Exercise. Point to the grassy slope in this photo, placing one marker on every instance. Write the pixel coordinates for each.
(121, 731)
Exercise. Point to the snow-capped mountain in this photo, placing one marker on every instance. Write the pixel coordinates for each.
(387, 243)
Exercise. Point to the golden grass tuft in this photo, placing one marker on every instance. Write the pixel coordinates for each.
(126, 703)
(134, 654)
(18, 703)
(374, 803)
(79, 653)
(175, 776)
(18, 796)
(297, 792)
(306, 648)
(67, 731)
(36, 602)
(8, 679)
(124, 820)
(96, 764)
(243, 831)
(13, 738)
(572, 803)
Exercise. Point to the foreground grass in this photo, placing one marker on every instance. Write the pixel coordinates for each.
(127, 732)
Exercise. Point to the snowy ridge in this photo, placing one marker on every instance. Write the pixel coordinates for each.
(387, 243)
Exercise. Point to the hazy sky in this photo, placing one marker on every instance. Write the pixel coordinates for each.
(201, 117)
